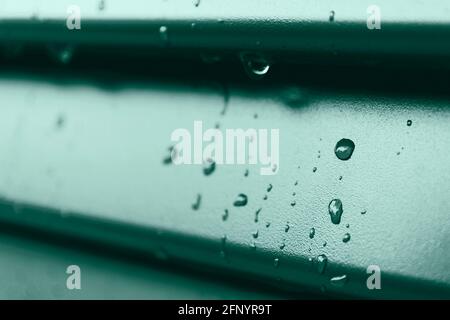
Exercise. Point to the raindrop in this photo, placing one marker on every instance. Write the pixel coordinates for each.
(267, 224)
(331, 16)
(340, 178)
(196, 205)
(276, 262)
(208, 167)
(293, 203)
(339, 281)
(60, 121)
(269, 188)
(287, 227)
(324, 244)
(225, 215)
(344, 149)
(296, 183)
(172, 155)
(63, 53)
(409, 123)
(257, 214)
(255, 65)
(265, 197)
(282, 245)
(335, 210)
(364, 212)
(293, 194)
(101, 5)
(346, 238)
(241, 200)
(255, 234)
(312, 233)
(164, 35)
(322, 261)
(246, 173)
(197, 3)
(314, 169)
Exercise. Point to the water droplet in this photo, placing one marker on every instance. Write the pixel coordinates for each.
(269, 188)
(60, 121)
(293, 203)
(255, 234)
(335, 210)
(347, 225)
(246, 173)
(276, 262)
(340, 178)
(225, 215)
(409, 123)
(63, 53)
(255, 116)
(296, 183)
(241, 200)
(209, 167)
(257, 214)
(282, 245)
(364, 212)
(346, 238)
(265, 197)
(322, 261)
(196, 205)
(314, 169)
(197, 3)
(344, 149)
(287, 227)
(164, 34)
(324, 244)
(172, 155)
(101, 5)
(293, 194)
(267, 224)
(339, 281)
(312, 233)
(255, 65)
(331, 16)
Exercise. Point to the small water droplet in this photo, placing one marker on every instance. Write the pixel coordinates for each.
(296, 183)
(257, 214)
(241, 200)
(339, 281)
(364, 212)
(269, 188)
(347, 225)
(265, 197)
(63, 53)
(60, 121)
(293, 194)
(255, 234)
(324, 244)
(409, 123)
(314, 169)
(255, 65)
(331, 16)
(164, 34)
(255, 116)
(209, 167)
(196, 205)
(335, 210)
(287, 227)
(225, 215)
(344, 149)
(312, 233)
(322, 261)
(267, 224)
(346, 238)
(172, 155)
(282, 245)
(340, 178)
(197, 3)
(276, 262)
(293, 203)
(246, 173)
(101, 5)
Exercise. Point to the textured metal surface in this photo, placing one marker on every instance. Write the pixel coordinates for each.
(100, 175)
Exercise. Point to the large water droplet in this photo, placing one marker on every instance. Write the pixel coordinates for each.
(344, 149)
(322, 261)
(335, 210)
(241, 200)
(339, 281)
(208, 167)
(255, 65)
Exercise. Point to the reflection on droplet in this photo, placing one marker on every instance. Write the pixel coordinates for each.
(322, 261)
(255, 65)
(267, 224)
(344, 149)
(339, 281)
(335, 210)
(346, 238)
(241, 200)
(196, 205)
